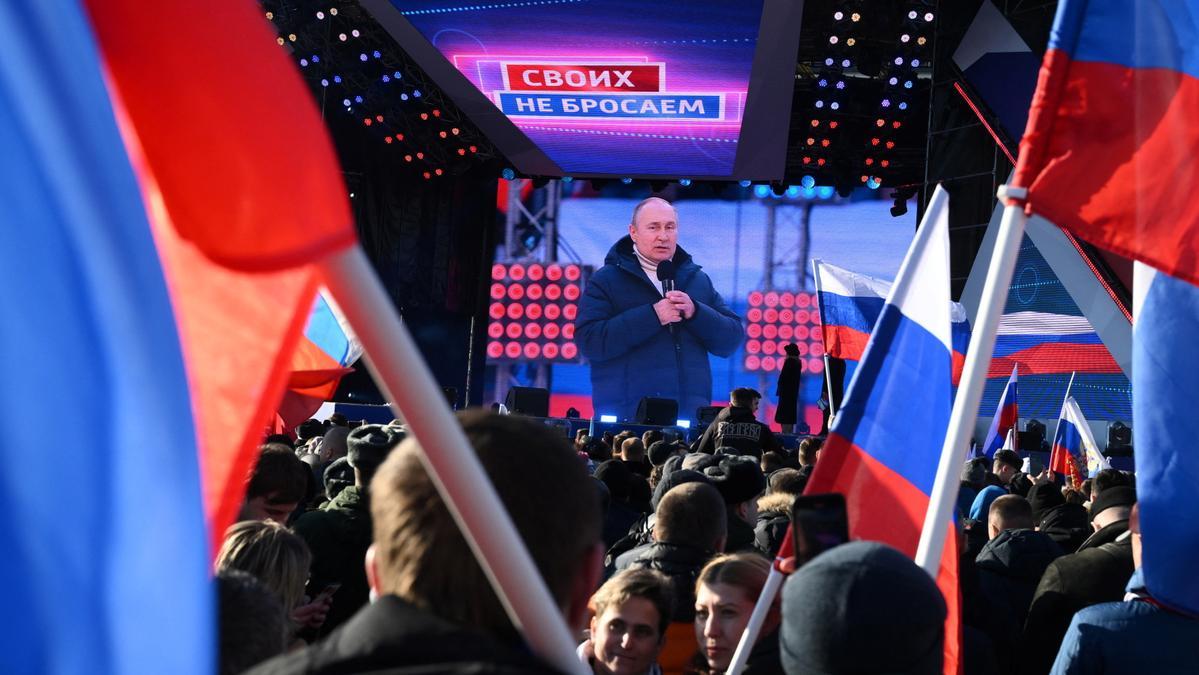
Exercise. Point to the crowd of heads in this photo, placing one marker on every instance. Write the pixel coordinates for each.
(656, 553)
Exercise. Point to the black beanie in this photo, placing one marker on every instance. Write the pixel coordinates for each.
(338, 476)
(616, 475)
(862, 607)
(660, 451)
(739, 479)
(675, 479)
(1121, 495)
(368, 445)
(672, 464)
(310, 429)
(1042, 498)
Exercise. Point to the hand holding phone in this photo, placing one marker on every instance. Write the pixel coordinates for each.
(820, 522)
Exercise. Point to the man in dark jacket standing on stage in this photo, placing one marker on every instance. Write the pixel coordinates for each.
(737, 427)
(641, 341)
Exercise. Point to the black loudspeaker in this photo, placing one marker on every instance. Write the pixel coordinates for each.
(705, 415)
(1119, 438)
(528, 401)
(657, 412)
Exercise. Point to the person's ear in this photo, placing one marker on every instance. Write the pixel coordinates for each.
(590, 566)
(372, 571)
(632, 229)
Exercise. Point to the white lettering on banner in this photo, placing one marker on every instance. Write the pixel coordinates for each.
(526, 104)
(570, 105)
(552, 78)
(545, 105)
(527, 76)
(748, 430)
(622, 78)
(696, 106)
(608, 105)
(589, 104)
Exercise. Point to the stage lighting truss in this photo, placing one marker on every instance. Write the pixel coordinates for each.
(909, 55)
(777, 318)
(533, 311)
(353, 64)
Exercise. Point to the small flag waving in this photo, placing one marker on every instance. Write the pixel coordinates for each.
(322, 357)
(1112, 135)
(1006, 416)
(850, 304)
(901, 391)
(1074, 447)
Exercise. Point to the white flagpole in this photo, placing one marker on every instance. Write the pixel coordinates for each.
(974, 377)
(405, 379)
(828, 376)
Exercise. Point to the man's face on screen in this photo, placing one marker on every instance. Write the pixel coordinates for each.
(655, 231)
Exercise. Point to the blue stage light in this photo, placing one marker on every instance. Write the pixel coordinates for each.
(567, 179)
(792, 192)
(608, 419)
(808, 182)
(825, 192)
(840, 84)
(822, 82)
(744, 183)
(416, 93)
(903, 105)
(324, 82)
(761, 191)
(684, 424)
(835, 106)
(685, 182)
(626, 180)
(873, 183)
(403, 97)
(345, 102)
(907, 84)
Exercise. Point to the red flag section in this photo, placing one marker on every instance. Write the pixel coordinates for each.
(244, 194)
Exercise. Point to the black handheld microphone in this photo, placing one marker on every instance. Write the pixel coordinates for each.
(666, 275)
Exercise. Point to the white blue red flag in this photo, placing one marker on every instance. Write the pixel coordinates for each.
(1165, 375)
(850, 304)
(884, 447)
(166, 230)
(1074, 453)
(322, 357)
(1006, 416)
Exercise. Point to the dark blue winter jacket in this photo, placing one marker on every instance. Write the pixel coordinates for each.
(632, 355)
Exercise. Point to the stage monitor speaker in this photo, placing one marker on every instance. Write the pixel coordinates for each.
(705, 415)
(662, 412)
(528, 401)
(1119, 438)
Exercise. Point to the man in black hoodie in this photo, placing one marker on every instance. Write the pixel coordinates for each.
(737, 427)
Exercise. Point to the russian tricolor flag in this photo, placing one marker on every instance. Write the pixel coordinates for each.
(169, 193)
(1074, 446)
(322, 357)
(884, 447)
(1006, 417)
(850, 304)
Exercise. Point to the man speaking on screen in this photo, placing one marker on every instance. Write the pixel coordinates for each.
(649, 318)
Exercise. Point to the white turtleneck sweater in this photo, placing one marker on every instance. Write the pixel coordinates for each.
(649, 267)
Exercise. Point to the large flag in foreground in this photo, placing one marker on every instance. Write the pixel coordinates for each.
(1074, 453)
(244, 201)
(850, 304)
(1165, 374)
(1006, 416)
(1111, 142)
(883, 450)
(105, 550)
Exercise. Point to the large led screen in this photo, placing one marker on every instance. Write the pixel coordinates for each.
(611, 87)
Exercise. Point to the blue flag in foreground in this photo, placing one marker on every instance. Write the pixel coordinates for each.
(105, 548)
(1166, 384)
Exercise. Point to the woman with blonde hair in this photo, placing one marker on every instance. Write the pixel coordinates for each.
(279, 559)
(725, 594)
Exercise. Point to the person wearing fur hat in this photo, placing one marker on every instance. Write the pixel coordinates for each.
(740, 481)
(340, 532)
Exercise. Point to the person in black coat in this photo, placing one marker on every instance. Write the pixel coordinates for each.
(787, 390)
(1097, 573)
(738, 429)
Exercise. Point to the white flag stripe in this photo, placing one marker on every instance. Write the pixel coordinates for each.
(1043, 323)
(840, 281)
(1090, 449)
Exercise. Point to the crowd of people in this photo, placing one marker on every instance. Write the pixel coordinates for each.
(656, 551)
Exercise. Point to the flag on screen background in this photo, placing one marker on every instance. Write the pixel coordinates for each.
(243, 202)
(1074, 453)
(1109, 152)
(105, 548)
(1007, 414)
(321, 358)
(884, 447)
(1045, 343)
(850, 304)
(1166, 380)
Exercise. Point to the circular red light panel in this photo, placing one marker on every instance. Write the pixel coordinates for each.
(514, 330)
(533, 312)
(532, 330)
(515, 311)
(495, 330)
(569, 350)
(770, 332)
(754, 315)
(753, 347)
(787, 299)
(517, 272)
(573, 272)
(553, 292)
(770, 315)
(536, 272)
(512, 350)
(803, 300)
(534, 292)
(550, 351)
(516, 292)
(768, 348)
(786, 316)
(755, 299)
(752, 363)
(532, 350)
(551, 331)
(497, 291)
(815, 365)
(498, 272)
(803, 332)
(786, 332)
(553, 272)
(495, 350)
(803, 316)
(496, 311)
(571, 293)
(568, 331)
(768, 363)
(754, 330)
(552, 312)
(569, 312)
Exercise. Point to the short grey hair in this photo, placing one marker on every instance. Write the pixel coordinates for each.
(649, 200)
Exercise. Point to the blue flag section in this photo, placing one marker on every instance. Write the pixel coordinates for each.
(1166, 381)
(105, 548)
